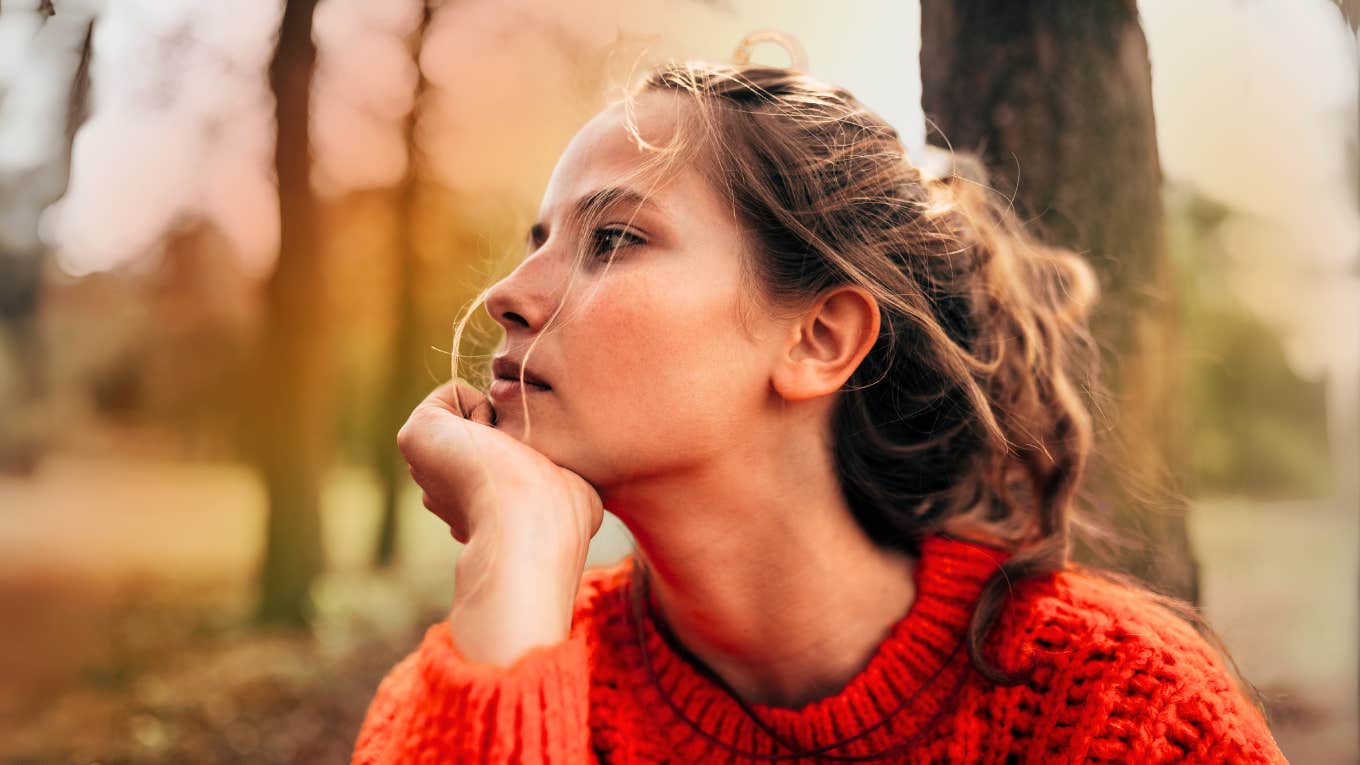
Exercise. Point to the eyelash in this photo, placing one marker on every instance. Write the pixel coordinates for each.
(602, 234)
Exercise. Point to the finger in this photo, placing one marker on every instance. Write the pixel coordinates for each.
(457, 527)
(459, 532)
(445, 396)
(457, 396)
(483, 412)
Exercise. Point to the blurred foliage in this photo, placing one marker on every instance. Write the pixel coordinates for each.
(1257, 428)
(462, 245)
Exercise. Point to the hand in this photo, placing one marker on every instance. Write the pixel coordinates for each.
(482, 481)
(526, 523)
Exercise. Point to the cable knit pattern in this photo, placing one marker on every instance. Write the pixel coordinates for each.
(1119, 679)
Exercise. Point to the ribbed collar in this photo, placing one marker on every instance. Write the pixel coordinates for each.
(912, 675)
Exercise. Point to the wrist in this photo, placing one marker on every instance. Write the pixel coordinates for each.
(521, 542)
(507, 600)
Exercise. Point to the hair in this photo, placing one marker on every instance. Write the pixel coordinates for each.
(967, 416)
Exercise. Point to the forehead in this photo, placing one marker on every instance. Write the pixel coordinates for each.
(603, 153)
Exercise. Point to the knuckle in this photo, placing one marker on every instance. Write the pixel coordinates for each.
(407, 435)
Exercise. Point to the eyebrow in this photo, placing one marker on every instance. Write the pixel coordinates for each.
(599, 199)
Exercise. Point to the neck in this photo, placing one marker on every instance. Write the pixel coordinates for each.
(773, 586)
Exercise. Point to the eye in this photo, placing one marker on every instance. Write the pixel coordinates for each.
(604, 240)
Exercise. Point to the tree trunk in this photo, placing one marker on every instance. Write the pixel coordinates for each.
(400, 395)
(290, 403)
(22, 255)
(1057, 99)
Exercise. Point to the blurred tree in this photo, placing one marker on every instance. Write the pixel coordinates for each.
(402, 388)
(203, 305)
(1057, 98)
(64, 44)
(289, 405)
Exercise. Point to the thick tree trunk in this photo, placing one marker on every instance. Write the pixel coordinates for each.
(290, 403)
(1057, 98)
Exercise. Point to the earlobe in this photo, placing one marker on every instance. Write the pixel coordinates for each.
(793, 382)
(827, 343)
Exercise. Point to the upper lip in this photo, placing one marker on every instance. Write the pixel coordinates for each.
(507, 368)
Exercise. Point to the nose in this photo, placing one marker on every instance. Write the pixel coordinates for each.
(525, 298)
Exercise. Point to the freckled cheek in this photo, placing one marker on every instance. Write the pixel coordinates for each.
(632, 344)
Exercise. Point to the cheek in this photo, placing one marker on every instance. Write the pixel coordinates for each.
(631, 343)
(664, 358)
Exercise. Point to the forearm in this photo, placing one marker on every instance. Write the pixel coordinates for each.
(505, 678)
(511, 593)
(504, 674)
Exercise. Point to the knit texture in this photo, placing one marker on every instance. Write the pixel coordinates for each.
(1119, 679)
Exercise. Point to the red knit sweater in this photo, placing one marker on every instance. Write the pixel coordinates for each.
(1119, 679)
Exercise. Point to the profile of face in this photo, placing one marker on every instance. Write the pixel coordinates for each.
(656, 362)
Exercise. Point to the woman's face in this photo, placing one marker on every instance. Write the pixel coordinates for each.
(653, 367)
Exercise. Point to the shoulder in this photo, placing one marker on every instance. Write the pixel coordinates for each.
(1077, 607)
(1115, 651)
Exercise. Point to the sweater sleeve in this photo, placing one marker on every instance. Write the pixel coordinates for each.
(1186, 708)
(436, 706)
(1123, 679)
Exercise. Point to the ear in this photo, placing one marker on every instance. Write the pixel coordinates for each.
(827, 343)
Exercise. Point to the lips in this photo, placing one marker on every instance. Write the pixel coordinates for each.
(505, 368)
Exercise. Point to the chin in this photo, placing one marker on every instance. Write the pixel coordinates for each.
(511, 422)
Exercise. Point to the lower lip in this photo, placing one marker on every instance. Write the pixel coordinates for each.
(505, 388)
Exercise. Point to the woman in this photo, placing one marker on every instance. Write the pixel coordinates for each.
(835, 401)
